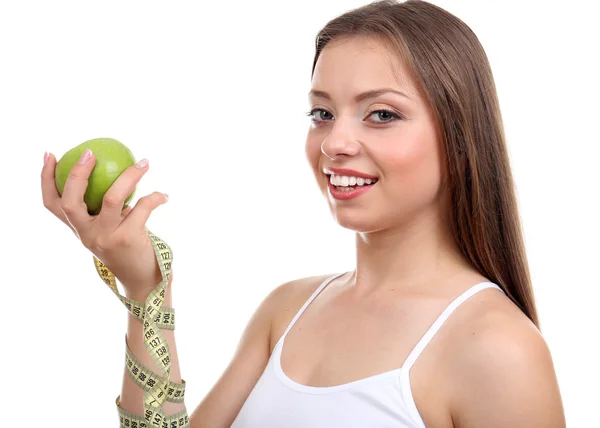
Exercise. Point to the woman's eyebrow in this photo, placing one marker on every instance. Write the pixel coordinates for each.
(360, 97)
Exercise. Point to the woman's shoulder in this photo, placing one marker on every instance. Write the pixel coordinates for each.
(504, 362)
(493, 327)
(489, 327)
(287, 299)
(298, 289)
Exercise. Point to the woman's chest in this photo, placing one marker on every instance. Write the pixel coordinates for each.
(335, 342)
(332, 345)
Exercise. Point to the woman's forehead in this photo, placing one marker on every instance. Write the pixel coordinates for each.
(361, 64)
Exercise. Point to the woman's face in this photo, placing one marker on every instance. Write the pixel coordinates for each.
(363, 132)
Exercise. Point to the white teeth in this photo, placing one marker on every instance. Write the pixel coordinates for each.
(349, 181)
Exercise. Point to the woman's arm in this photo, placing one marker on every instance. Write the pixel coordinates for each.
(132, 396)
(120, 239)
(223, 402)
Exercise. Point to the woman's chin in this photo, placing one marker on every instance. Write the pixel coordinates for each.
(357, 223)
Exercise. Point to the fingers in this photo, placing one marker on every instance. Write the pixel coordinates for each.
(71, 208)
(72, 203)
(143, 208)
(50, 195)
(112, 203)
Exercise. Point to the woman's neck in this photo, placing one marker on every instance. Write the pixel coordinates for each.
(413, 257)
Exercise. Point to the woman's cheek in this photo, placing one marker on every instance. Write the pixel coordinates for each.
(410, 164)
(419, 171)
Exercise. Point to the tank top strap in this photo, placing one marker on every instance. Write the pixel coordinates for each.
(309, 301)
(426, 338)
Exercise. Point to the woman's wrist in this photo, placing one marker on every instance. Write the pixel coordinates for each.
(140, 294)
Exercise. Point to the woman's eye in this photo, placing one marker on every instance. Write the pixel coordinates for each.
(319, 115)
(384, 116)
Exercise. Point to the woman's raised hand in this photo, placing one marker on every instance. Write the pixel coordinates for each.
(115, 236)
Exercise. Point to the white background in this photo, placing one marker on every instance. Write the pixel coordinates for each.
(214, 96)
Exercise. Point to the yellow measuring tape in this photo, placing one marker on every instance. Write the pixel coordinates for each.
(157, 387)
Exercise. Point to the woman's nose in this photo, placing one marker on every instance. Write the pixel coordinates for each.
(339, 145)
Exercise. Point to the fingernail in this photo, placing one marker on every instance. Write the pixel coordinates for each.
(142, 164)
(85, 157)
(166, 197)
(45, 158)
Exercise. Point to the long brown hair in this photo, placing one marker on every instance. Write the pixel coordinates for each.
(452, 72)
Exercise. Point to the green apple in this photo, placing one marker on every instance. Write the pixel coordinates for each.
(112, 158)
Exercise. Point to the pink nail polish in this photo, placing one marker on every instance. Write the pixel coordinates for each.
(45, 158)
(142, 163)
(85, 157)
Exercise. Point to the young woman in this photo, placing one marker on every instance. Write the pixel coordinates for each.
(436, 326)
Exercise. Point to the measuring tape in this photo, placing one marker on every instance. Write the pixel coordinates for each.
(157, 387)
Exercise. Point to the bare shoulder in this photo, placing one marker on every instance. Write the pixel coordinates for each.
(287, 299)
(225, 399)
(297, 288)
(504, 374)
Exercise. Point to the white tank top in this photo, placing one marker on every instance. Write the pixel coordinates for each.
(381, 401)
